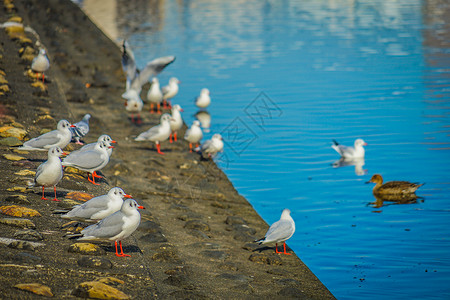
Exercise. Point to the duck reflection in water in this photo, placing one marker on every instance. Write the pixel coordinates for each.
(394, 200)
(357, 162)
(205, 119)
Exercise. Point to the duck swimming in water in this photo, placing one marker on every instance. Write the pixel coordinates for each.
(393, 187)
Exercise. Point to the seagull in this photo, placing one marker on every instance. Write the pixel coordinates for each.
(169, 91)
(393, 187)
(212, 146)
(89, 161)
(40, 63)
(99, 207)
(134, 105)
(137, 78)
(60, 137)
(155, 95)
(81, 129)
(117, 226)
(158, 133)
(176, 122)
(194, 134)
(103, 138)
(280, 231)
(204, 99)
(50, 172)
(350, 152)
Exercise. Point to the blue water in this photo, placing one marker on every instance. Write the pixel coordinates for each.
(287, 77)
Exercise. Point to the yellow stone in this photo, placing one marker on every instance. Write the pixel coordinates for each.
(3, 80)
(79, 196)
(18, 211)
(85, 248)
(2, 73)
(14, 29)
(17, 189)
(16, 19)
(36, 288)
(98, 290)
(110, 281)
(12, 131)
(40, 85)
(21, 151)
(25, 173)
(4, 88)
(13, 157)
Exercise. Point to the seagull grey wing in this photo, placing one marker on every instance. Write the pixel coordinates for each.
(85, 160)
(89, 208)
(39, 170)
(206, 145)
(279, 230)
(128, 62)
(106, 228)
(150, 133)
(152, 68)
(87, 147)
(49, 138)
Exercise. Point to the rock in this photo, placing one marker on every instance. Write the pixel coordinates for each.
(215, 254)
(79, 196)
(278, 272)
(177, 280)
(18, 211)
(72, 226)
(149, 227)
(166, 256)
(289, 281)
(21, 189)
(22, 245)
(205, 245)
(243, 237)
(189, 216)
(179, 207)
(25, 173)
(231, 220)
(35, 288)
(95, 262)
(179, 270)
(220, 205)
(29, 235)
(98, 290)
(228, 266)
(8, 131)
(11, 141)
(187, 294)
(111, 281)
(242, 228)
(262, 258)
(13, 157)
(25, 257)
(198, 234)
(77, 93)
(251, 246)
(154, 237)
(99, 79)
(22, 199)
(197, 225)
(86, 249)
(23, 223)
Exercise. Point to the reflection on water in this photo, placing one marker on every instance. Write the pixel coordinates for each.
(334, 69)
(205, 119)
(357, 162)
(394, 199)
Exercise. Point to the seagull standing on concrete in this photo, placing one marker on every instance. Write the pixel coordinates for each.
(60, 137)
(117, 226)
(194, 134)
(154, 95)
(212, 146)
(81, 129)
(176, 122)
(169, 91)
(50, 172)
(280, 231)
(158, 133)
(40, 63)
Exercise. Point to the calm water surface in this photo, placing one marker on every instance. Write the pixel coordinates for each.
(287, 77)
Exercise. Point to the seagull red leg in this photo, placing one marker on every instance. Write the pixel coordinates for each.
(190, 147)
(175, 136)
(276, 249)
(121, 251)
(284, 247)
(43, 198)
(92, 180)
(158, 147)
(55, 199)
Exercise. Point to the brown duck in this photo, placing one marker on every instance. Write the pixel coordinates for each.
(393, 187)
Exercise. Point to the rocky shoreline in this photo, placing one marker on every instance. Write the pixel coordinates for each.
(195, 237)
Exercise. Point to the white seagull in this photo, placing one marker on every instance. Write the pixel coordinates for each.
(98, 207)
(137, 78)
(176, 122)
(158, 133)
(194, 134)
(133, 104)
(103, 138)
(280, 231)
(350, 152)
(117, 226)
(212, 146)
(154, 95)
(40, 63)
(60, 137)
(50, 172)
(169, 91)
(81, 129)
(204, 99)
(89, 161)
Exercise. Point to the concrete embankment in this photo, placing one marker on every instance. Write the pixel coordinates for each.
(195, 237)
